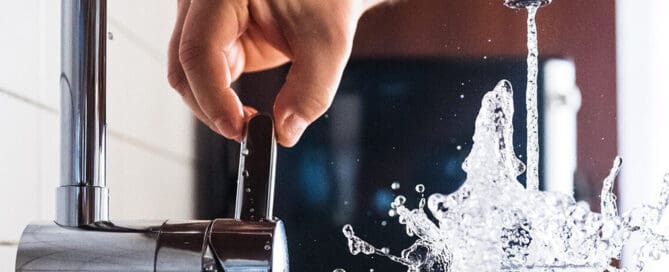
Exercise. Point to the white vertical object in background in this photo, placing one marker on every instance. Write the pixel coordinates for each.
(643, 97)
(562, 100)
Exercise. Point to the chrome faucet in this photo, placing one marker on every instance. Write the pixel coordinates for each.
(82, 197)
(82, 238)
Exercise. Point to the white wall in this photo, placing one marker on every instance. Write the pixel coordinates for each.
(643, 102)
(150, 135)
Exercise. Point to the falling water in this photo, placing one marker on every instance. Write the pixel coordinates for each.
(531, 100)
(492, 223)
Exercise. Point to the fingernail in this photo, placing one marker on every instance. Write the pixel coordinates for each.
(294, 126)
(226, 128)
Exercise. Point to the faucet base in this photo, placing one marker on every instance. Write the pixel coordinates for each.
(146, 246)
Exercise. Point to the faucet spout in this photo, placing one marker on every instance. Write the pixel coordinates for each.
(522, 4)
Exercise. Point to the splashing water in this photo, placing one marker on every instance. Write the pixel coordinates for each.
(493, 223)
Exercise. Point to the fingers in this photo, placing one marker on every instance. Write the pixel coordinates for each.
(207, 51)
(310, 86)
(211, 56)
(175, 74)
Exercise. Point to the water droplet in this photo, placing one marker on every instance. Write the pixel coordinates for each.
(420, 188)
(384, 223)
(395, 186)
(392, 213)
(459, 147)
(326, 116)
(268, 247)
(252, 210)
(245, 152)
(245, 173)
(348, 230)
(400, 199)
(339, 270)
(248, 189)
(485, 57)
(462, 96)
(385, 250)
(110, 36)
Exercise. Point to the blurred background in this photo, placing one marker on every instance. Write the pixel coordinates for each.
(404, 113)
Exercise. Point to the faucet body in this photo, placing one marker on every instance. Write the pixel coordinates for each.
(218, 245)
(82, 197)
(82, 238)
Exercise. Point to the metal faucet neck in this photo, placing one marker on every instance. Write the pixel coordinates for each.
(82, 197)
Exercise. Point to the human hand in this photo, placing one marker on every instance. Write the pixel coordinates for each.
(215, 41)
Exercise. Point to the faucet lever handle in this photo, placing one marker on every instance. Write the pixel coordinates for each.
(257, 161)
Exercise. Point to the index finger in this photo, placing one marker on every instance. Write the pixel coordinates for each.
(211, 56)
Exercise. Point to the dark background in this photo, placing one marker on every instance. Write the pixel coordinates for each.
(392, 121)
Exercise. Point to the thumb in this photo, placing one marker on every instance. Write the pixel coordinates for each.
(310, 87)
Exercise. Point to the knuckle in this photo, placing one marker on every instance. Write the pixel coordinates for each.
(191, 54)
(177, 81)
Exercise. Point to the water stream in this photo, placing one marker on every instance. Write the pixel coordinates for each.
(493, 223)
(531, 100)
